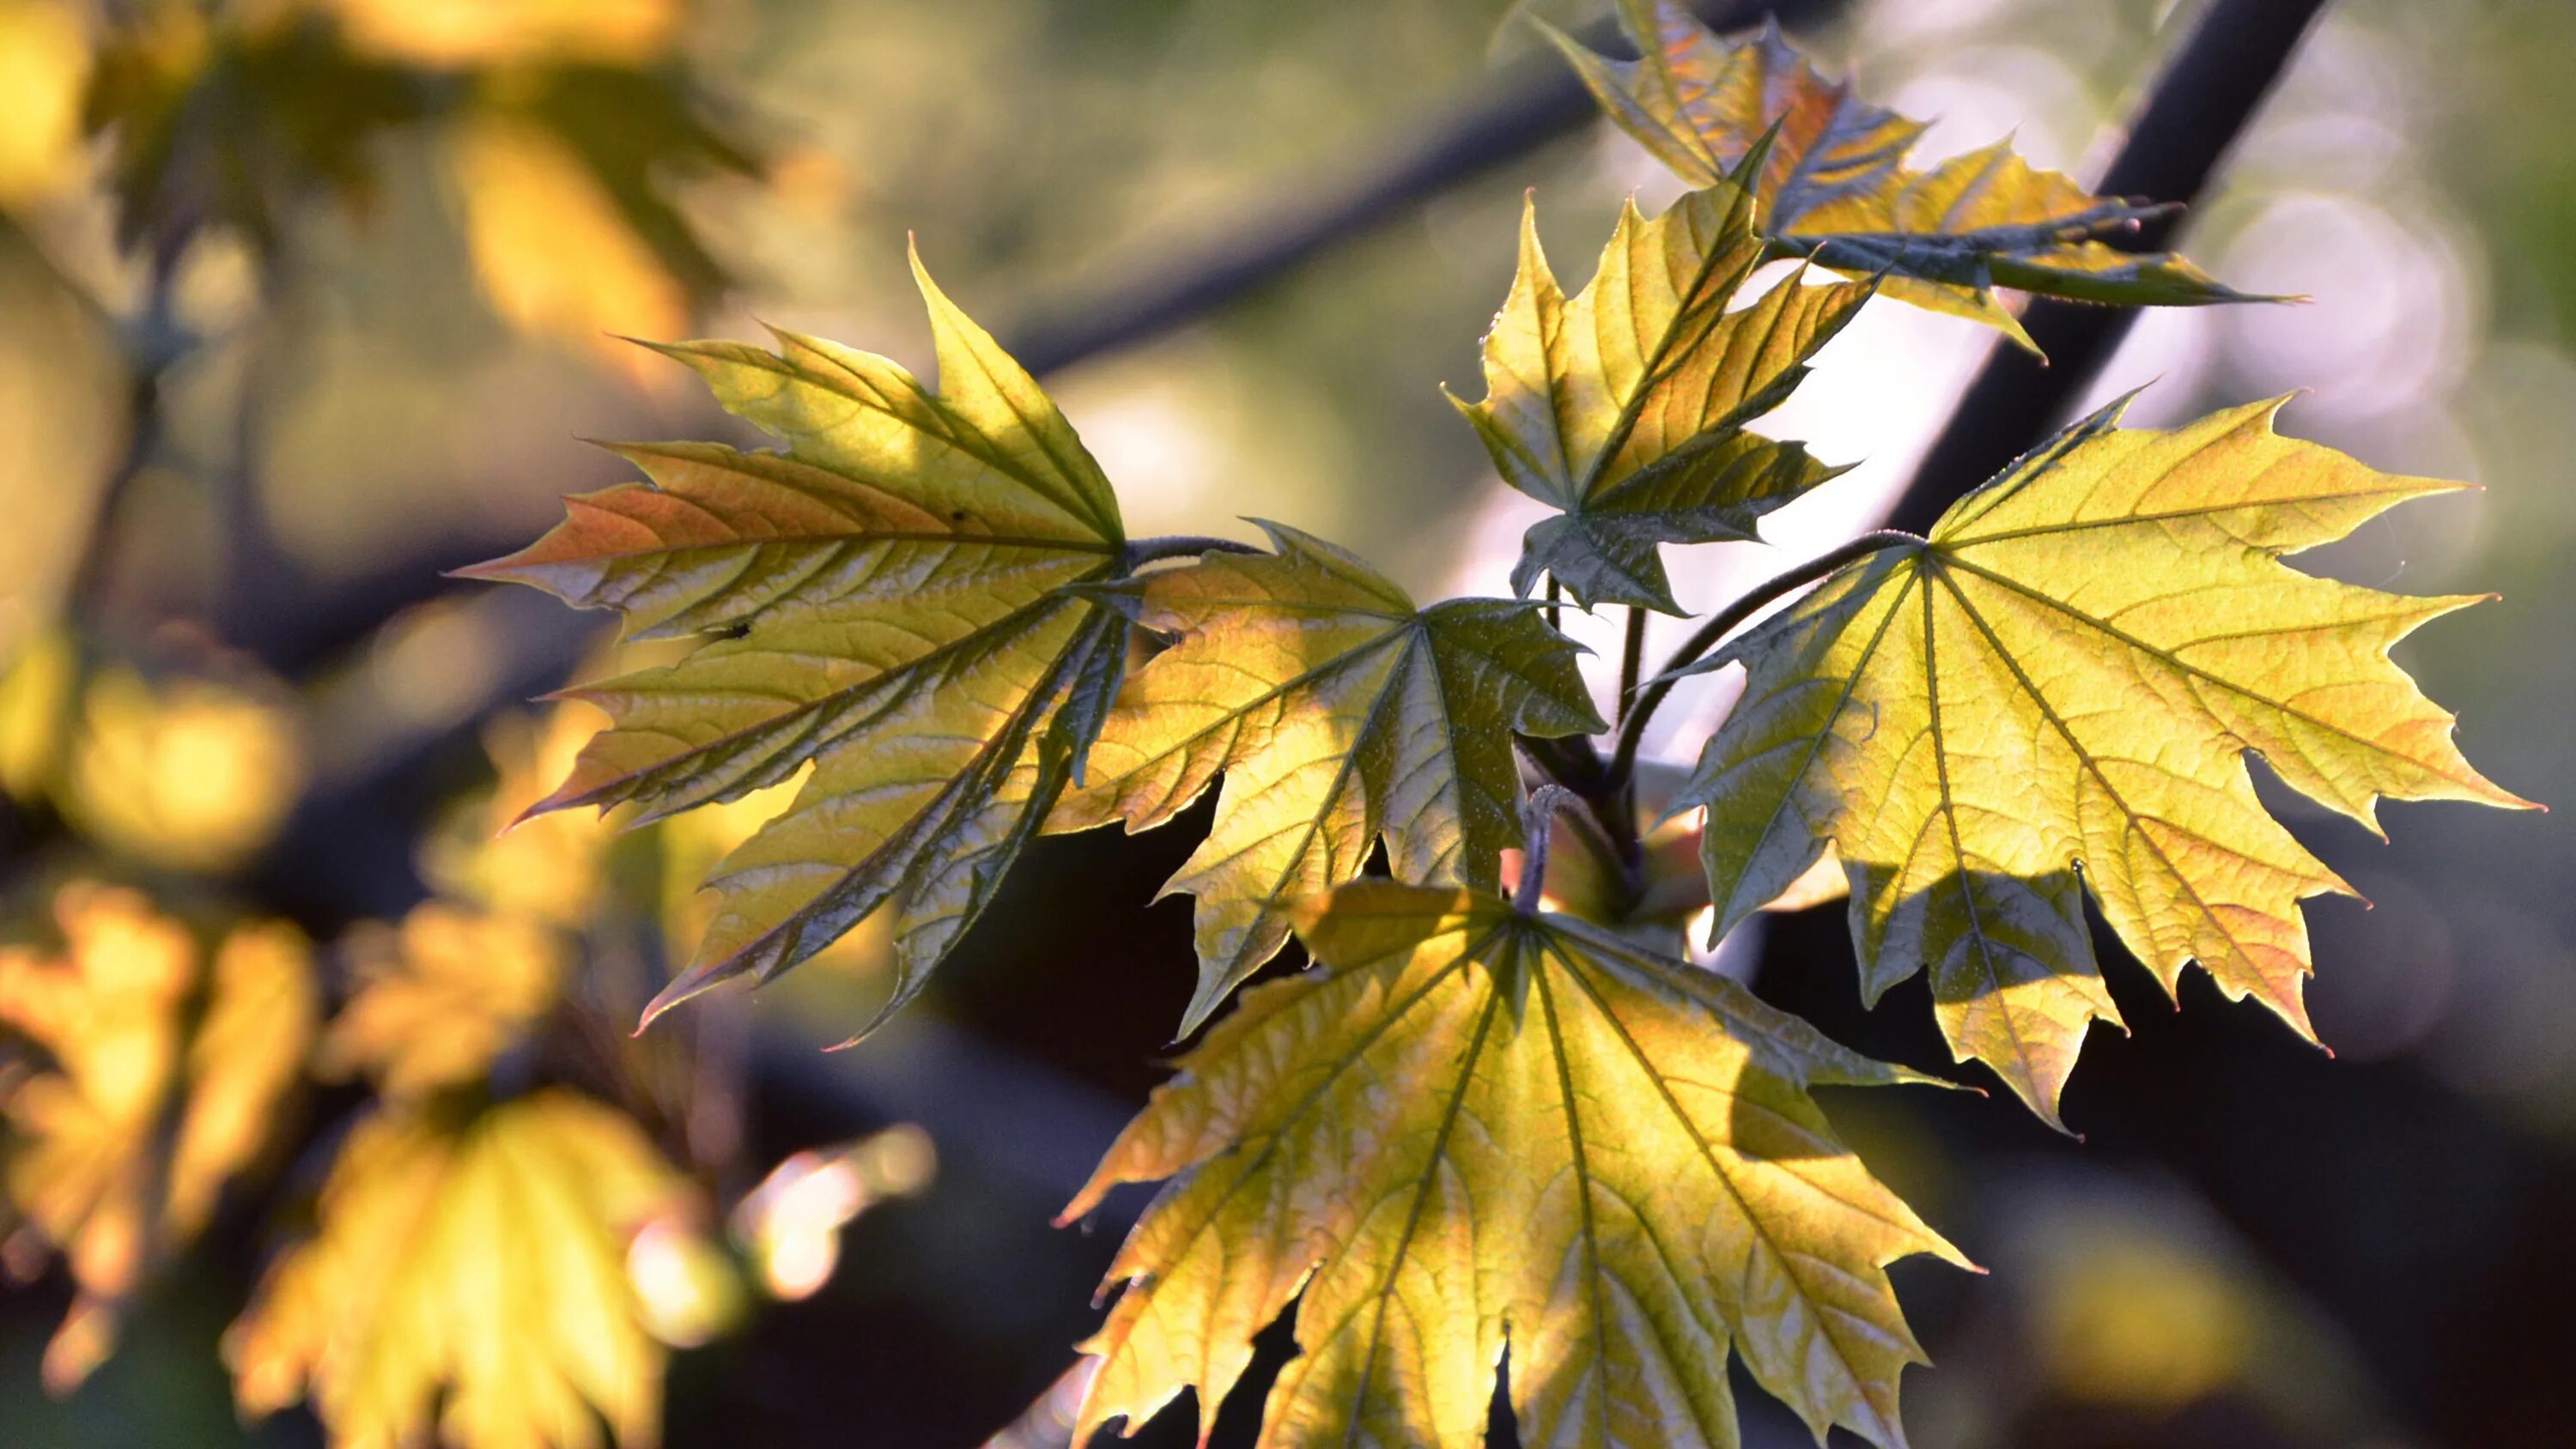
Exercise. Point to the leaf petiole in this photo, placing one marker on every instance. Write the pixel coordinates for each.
(1632, 722)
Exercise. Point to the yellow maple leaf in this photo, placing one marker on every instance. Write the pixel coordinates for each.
(1338, 712)
(2056, 691)
(470, 1280)
(1474, 1130)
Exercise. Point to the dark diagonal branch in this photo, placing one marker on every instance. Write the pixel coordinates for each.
(2201, 102)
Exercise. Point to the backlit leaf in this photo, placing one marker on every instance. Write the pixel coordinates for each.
(1836, 187)
(163, 1076)
(1338, 713)
(469, 1280)
(1624, 408)
(891, 595)
(1471, 1131)
(2056, 692)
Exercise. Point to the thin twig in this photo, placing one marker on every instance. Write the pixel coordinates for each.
(1632, 659)
(1632, 729)
(1538, 827)
(1538, 101)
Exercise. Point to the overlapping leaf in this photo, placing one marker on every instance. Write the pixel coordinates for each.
(2056, 691)
(1338, 713)
(893, 592)
(1474, 1130)
(1836, 186)
(469, 1284)
(1625, 407)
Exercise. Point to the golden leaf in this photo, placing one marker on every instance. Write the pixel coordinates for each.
(1625, 408)
(1474, 1131)
(1337, 712)
(2056, 691)
(470, 1280)
(894, 604)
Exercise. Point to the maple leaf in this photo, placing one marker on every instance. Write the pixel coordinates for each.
(472, 1278)
(1625, 407)
(166, 1073)
(893, 595)
(1836, 187)
(1338, 713)
(439, 997)
(2056, 691)
(1476, 1129)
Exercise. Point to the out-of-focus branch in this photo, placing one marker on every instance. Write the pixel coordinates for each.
(1537, 102)
(2200, 103)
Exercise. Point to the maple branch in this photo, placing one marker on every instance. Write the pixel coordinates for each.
(2200, 103)
(1632, 729)
(1632, 659)
(1538, 827)
(1537, 101)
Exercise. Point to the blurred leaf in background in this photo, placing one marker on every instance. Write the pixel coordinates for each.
(471, 1276)
(158, 1073)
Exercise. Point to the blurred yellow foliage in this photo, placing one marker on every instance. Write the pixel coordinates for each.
(473, 1277)
(193, 774)
(439, 997)
(123, 1144)
(549, 868)
(44, 68)
(459, 33)
(551, 249)
(2144, 1322)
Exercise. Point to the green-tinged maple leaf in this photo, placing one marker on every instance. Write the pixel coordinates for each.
(1338, 713)
(1474, 1130)
(2056, 692)
(1624, 408)
(893, 592)
(1836, 187)
(468, 1283)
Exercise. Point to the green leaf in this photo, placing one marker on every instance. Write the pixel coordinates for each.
(1625, 407)
(895, 598)
(2057, 691)
(1338, 713)
(1471, 1131)
(1835, 186)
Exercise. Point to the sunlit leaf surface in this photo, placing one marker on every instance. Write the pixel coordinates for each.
(891, 598)
(2056, 692)
(1339, 714)
(1472, 1131)
(162, 1079)
(1836, 186)
(1624, 408)
(471, 1280)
